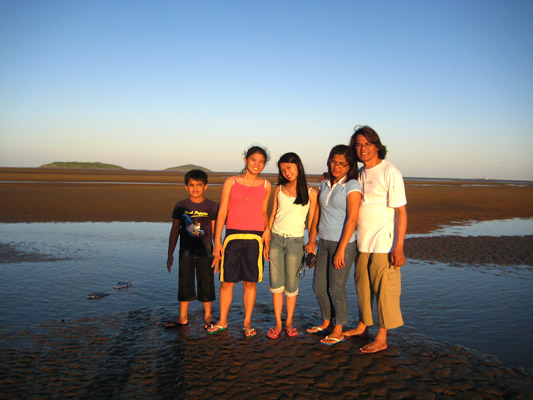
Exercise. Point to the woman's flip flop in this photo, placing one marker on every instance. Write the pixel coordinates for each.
(249, 332)
(215, 329)
(335, 341)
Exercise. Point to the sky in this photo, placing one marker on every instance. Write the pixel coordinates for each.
(448, 85)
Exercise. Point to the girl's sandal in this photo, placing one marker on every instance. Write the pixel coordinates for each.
(273, 333)
(291, 332)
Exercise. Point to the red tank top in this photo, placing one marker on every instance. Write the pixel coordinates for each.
(245, 208)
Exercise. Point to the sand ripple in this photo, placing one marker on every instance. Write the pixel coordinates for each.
(129, 355)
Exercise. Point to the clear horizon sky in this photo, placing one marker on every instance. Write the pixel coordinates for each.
(447, 84)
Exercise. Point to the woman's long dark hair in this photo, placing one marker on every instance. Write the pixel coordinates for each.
(348, 153)
(302, 194)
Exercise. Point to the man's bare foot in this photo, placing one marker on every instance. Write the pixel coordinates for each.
(357, 332)
(373, 347)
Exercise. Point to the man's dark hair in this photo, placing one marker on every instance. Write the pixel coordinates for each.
(372, 136)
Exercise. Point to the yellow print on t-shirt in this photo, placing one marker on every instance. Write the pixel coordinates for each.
(197, 213)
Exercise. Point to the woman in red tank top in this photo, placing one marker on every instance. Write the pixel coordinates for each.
(243, 210)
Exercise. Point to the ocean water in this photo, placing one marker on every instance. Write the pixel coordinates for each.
(483, 308)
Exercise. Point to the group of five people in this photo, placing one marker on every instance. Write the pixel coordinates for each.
(358, 215)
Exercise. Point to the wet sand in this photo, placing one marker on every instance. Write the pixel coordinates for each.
(131, 356)
(475, 250)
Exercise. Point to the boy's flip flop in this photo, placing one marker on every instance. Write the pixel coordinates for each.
(175, 324)
(216, 329)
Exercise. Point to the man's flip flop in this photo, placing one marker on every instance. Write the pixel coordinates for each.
(335, 341)
(249, 332)
(216, 329)
(208, 325)
(175, 324)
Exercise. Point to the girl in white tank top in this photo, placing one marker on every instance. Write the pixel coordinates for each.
(294, 205)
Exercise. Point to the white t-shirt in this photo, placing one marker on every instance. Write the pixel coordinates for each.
(383, 191)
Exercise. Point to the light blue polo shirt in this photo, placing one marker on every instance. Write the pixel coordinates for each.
(332, 201)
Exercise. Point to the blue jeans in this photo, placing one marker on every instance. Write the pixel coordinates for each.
(196, 262)
(329, 283)
(286, 255)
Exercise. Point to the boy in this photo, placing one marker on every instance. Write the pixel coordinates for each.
(193, 219)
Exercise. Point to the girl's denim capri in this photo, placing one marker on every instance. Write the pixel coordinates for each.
(286, 254)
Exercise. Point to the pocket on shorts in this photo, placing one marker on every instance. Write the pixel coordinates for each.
(394, 281)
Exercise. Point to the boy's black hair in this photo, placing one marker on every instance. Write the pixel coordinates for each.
(197, 175)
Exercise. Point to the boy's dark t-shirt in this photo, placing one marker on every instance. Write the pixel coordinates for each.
(195, 222)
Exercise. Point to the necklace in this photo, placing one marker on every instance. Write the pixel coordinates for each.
(290, 192)
(245, 195)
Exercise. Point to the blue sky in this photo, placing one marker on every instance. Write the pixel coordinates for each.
(448, 85)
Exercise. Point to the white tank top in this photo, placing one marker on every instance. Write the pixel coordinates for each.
(290, 218)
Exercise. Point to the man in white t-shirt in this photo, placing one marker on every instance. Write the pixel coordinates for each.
(381, 231)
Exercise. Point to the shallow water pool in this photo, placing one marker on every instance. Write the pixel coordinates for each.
(500, 227)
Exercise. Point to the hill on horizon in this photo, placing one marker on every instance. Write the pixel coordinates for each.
(77, 164)
(187, 167)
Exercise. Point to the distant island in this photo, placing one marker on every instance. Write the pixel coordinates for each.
(99, 165)
(84, 165)
(187, 167)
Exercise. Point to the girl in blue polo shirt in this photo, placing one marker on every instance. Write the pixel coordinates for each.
(334, 222)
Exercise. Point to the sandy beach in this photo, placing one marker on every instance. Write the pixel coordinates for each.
(129, 355)
(58, 195)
